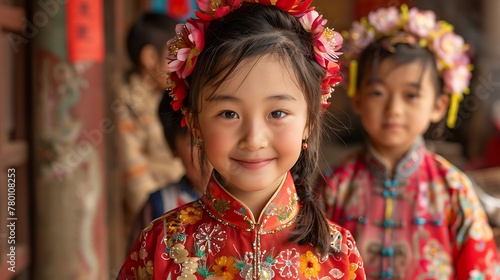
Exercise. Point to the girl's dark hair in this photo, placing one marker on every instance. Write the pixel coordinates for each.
(401, 54)
(170, 121)
(149, 28)
(254, 31)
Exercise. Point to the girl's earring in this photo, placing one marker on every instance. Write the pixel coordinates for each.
(304, 144)
(199, 145)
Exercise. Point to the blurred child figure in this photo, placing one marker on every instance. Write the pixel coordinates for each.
(252, 78)
(412, 213)
(147, 162)
(191, 186)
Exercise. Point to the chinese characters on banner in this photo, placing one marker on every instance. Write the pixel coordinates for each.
(85, 30)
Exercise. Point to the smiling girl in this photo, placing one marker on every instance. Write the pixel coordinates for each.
(253, 78)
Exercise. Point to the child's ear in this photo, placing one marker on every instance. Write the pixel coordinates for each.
(305, 135)
(440, 107)
(149, 56)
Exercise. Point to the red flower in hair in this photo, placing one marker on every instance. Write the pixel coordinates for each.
(179, 91)
(330, 81)
(212, 9)
(293, 7)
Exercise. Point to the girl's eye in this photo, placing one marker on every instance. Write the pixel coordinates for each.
(413, 95)
(376, 93)
(277, 114)
(229, 115)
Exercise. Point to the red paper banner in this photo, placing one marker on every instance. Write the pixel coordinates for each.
(85, 30)
(178, 8)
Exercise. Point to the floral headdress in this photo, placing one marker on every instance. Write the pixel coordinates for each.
(448, 48)
(184, 48)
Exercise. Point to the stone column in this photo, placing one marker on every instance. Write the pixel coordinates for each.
(70, 236)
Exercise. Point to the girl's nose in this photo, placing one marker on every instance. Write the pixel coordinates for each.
(393, 106)
(253, 136)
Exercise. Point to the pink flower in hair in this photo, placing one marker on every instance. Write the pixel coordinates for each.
(385, 20)
(327, 47)
(416, 28)
(449, 48)
(212, 9)
(313, 22)
(359, 37)
(456, 80)
(421, 23)
(327, 41)
(184, 48)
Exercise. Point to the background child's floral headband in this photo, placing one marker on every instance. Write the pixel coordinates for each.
(448, 48)
(183, 50)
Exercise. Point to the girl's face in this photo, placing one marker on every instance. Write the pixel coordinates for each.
(153, 67)
(252, 127)
(398, 104)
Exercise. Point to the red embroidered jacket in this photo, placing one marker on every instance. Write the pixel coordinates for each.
(425, 222)
(217, 237)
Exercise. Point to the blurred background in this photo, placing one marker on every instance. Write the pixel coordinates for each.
(62, 63)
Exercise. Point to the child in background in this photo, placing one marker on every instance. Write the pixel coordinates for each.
(192, 184)
(412, 213)
(146, 161)
(251, 77)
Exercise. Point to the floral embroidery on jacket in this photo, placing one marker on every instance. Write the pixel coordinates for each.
(287, 263)
(210, 238)
(309, 265)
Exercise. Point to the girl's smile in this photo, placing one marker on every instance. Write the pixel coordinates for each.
(392, 126)
(253, 164)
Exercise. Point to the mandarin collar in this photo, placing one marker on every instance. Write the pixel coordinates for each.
(278, 213)
(408, 164)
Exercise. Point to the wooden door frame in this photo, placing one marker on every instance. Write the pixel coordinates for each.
(14, 147)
